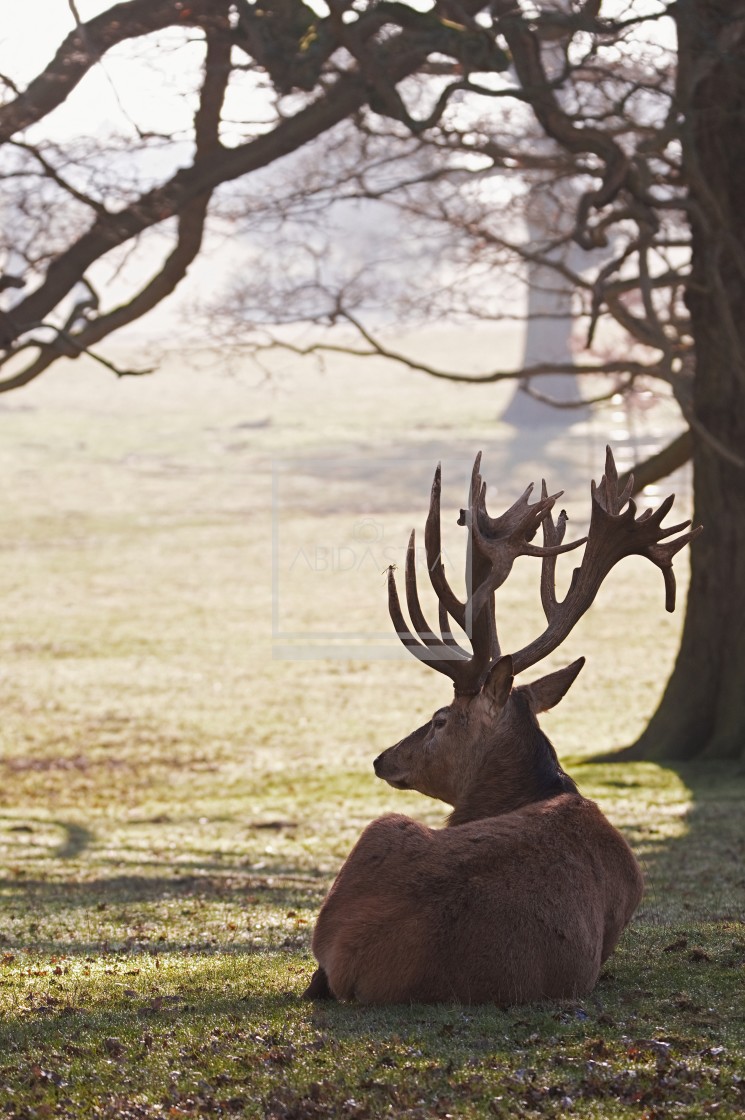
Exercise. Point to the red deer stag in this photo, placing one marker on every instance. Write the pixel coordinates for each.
(527, 890)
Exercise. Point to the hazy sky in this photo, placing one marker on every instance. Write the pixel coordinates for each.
(34, 30)
(125, 88)
(119, 86)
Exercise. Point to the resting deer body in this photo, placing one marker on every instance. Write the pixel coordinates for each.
(525, 893)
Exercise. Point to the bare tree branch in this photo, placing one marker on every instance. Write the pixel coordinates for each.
(658, 466)
(345, 95)
(82, 49)
(190, 227)
(378, 349)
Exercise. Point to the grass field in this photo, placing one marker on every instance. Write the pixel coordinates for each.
(174, 801)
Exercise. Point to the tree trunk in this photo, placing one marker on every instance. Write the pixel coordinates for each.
(548, 338)
(702, 713)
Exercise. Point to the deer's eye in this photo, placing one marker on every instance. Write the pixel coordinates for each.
(439, 720)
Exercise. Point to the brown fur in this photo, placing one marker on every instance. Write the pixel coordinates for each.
(522, 897)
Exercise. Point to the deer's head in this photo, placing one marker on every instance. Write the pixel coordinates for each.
(486, 745)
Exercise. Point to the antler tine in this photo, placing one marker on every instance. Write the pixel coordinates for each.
(613, 534)
(441, 656)
(480, 628)
(480, 618)
(606, 492)
(465, 669)
(676, 529)
(433, 550)
(553, 535)
(421, 626)
(447, 634)
(662, 556)
(500, 540)
(398, 620)
(494, 525)
(423, 630)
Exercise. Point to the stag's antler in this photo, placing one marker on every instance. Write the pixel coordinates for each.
(613, 534)
(493, 546)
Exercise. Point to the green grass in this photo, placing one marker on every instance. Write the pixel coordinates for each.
(174, 803)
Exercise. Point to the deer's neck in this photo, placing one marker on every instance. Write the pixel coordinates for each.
(511, 779)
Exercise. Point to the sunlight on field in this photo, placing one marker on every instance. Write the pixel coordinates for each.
(138, 536)
(175, 799)
(152, 530)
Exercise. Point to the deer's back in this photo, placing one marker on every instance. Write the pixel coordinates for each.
(508, 909)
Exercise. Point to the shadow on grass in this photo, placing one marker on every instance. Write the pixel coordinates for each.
(694, 873)
(76, 840)
(126, 916)
(698, 874)
(705, 867)
(445, 1032)
(99, 893)
(55, 1022)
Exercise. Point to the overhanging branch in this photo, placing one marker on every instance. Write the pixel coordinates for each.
(82, 49)
(675, 455)
(378, 349)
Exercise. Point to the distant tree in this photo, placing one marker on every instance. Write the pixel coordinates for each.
(488, 200)
(644, 135)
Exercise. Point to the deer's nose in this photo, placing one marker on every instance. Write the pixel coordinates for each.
(376, 765)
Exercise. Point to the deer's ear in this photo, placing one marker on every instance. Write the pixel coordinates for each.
(547, 691)
(498, 683)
